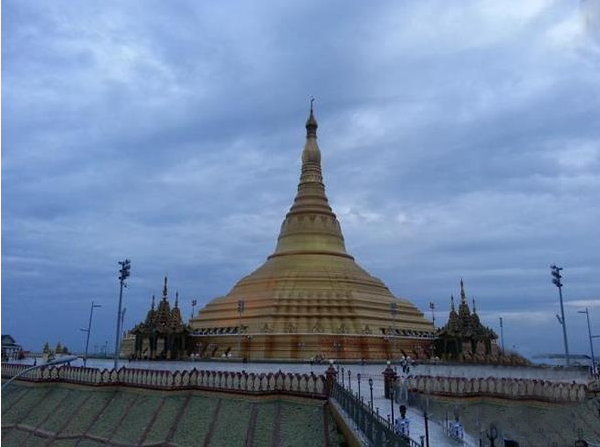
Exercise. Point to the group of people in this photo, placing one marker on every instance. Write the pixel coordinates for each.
(402, 426)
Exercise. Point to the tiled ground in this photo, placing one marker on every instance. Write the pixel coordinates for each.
(532, 424)
(64, 415)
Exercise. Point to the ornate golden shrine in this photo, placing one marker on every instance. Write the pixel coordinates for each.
(162, 336)
(310, 299)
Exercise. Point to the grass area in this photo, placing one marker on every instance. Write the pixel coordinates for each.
(263, 429)
(85, 416)
(63, 413)
(127, 416)
(164, 420)
(65, 443)
(24, 406)
(44, 409)
(111, 416)
(301, 425)
(138, 418)
(234, 413)
(195, 422)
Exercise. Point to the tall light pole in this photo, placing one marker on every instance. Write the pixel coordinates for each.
(502, 334)
(587, 314)
(41, 365)
(194, 302)
(556, 277)
(88, 330)
(240, 307)
(123, 275)
(394, 312)
(123, 318)
(432, 307)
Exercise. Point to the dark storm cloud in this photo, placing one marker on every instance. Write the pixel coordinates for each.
(458, 141)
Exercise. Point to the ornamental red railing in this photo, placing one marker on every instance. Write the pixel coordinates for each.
(507, 388)
(306, 385)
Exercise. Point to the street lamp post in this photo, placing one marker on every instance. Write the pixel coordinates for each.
(240, 307)
(432, 307)
(41, 365)
(371, 389)
(358, 379)
(587, 314)
(123, 275)
(392, 404)
(502, 334)
(394, 312)
(556, 277)
(88, 330)
(194, 302)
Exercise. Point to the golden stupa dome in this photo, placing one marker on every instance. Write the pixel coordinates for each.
(310, 298)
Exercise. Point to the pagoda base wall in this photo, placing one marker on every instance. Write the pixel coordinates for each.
(304, 347)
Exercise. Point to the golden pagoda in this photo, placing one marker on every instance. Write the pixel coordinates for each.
(310, 299)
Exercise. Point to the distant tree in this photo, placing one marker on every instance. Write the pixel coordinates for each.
(65, 350)
(58, 349)
(46, 348)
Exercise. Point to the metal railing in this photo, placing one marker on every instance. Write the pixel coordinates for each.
(377, 430)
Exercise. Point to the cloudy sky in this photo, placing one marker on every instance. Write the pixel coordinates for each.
(459, 139)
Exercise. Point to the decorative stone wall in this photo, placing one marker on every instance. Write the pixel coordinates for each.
(504, 388)
(305, 385)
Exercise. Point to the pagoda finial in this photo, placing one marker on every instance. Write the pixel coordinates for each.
(165, 290)
(452, 304)
(474, 309)
(176, 298)
(311, 122)
(463, 296)
(152, 302)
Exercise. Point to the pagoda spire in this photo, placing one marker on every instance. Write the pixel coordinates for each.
(165, 289)
(152, 307)
(474, 310)
(452, 309)
(463, 296)
(311, 227)
(311, 122)
(176, 299)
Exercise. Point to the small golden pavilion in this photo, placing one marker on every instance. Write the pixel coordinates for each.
(464, 337)
(163, 335)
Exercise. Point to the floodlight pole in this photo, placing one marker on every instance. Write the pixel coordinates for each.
(555, 272)
(394, 312)
(241, 306)
(502, 334)
(123, 275)
(587, 314)
(88, 330)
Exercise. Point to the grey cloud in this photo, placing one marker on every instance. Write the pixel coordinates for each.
(457, 141)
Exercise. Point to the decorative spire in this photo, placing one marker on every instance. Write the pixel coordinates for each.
(176, 298)
(463, 296)
(310, 227)
(311, 123)
(452, 304)
(165, 290)
(152, 302)
(474, 309)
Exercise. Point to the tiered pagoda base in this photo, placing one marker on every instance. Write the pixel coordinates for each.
(305, 347)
